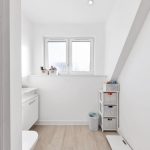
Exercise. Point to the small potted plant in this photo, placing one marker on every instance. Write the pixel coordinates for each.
(53, 70)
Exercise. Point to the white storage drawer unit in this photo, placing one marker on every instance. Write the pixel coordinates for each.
(110, 111)
(29, 112)
(110, 123)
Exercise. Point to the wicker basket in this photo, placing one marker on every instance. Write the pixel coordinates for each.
(111, 87)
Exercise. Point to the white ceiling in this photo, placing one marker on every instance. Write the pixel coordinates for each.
(67, 11)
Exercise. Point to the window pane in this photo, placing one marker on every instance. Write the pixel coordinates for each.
(81, 56)
(57, 55)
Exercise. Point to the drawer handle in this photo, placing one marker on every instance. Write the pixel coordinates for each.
(110, 93)
(110, 106)
(32, 102)
(109, 119)
(124, 142)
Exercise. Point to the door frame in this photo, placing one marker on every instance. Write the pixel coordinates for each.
(4, 76)
(10, 75)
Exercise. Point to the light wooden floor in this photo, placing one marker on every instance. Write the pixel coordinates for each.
(70, 138)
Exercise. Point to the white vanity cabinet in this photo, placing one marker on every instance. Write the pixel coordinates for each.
(108, 110)
(30, 100)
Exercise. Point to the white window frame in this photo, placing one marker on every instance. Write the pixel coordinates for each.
(91, 40)
(69, 54)
(46, 40)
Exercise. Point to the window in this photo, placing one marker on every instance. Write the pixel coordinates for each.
(57, 55)
(81, 56)
(70, 56)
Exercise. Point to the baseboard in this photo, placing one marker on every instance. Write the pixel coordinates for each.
(62, 122)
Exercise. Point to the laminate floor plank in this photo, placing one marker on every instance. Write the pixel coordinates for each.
(70, 138)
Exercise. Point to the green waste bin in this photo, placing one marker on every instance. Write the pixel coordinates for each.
(93, 121)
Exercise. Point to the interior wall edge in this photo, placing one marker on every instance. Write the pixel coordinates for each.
(133, 34)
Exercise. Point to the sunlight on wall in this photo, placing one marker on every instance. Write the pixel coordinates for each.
(26, 46)
(25, 61)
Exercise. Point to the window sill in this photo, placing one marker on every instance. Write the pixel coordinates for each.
(68, 75)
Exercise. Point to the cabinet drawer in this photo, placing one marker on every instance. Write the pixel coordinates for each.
(109, 124)
(110, 111)
(110, 98)
(29, 113)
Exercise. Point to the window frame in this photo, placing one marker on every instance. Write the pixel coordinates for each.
(46, 40)
(91, 40)
(69, 53)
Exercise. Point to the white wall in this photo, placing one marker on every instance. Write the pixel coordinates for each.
(117, 30)
(134, 95)
(70, 30)
(67, 99)
(26, 46)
